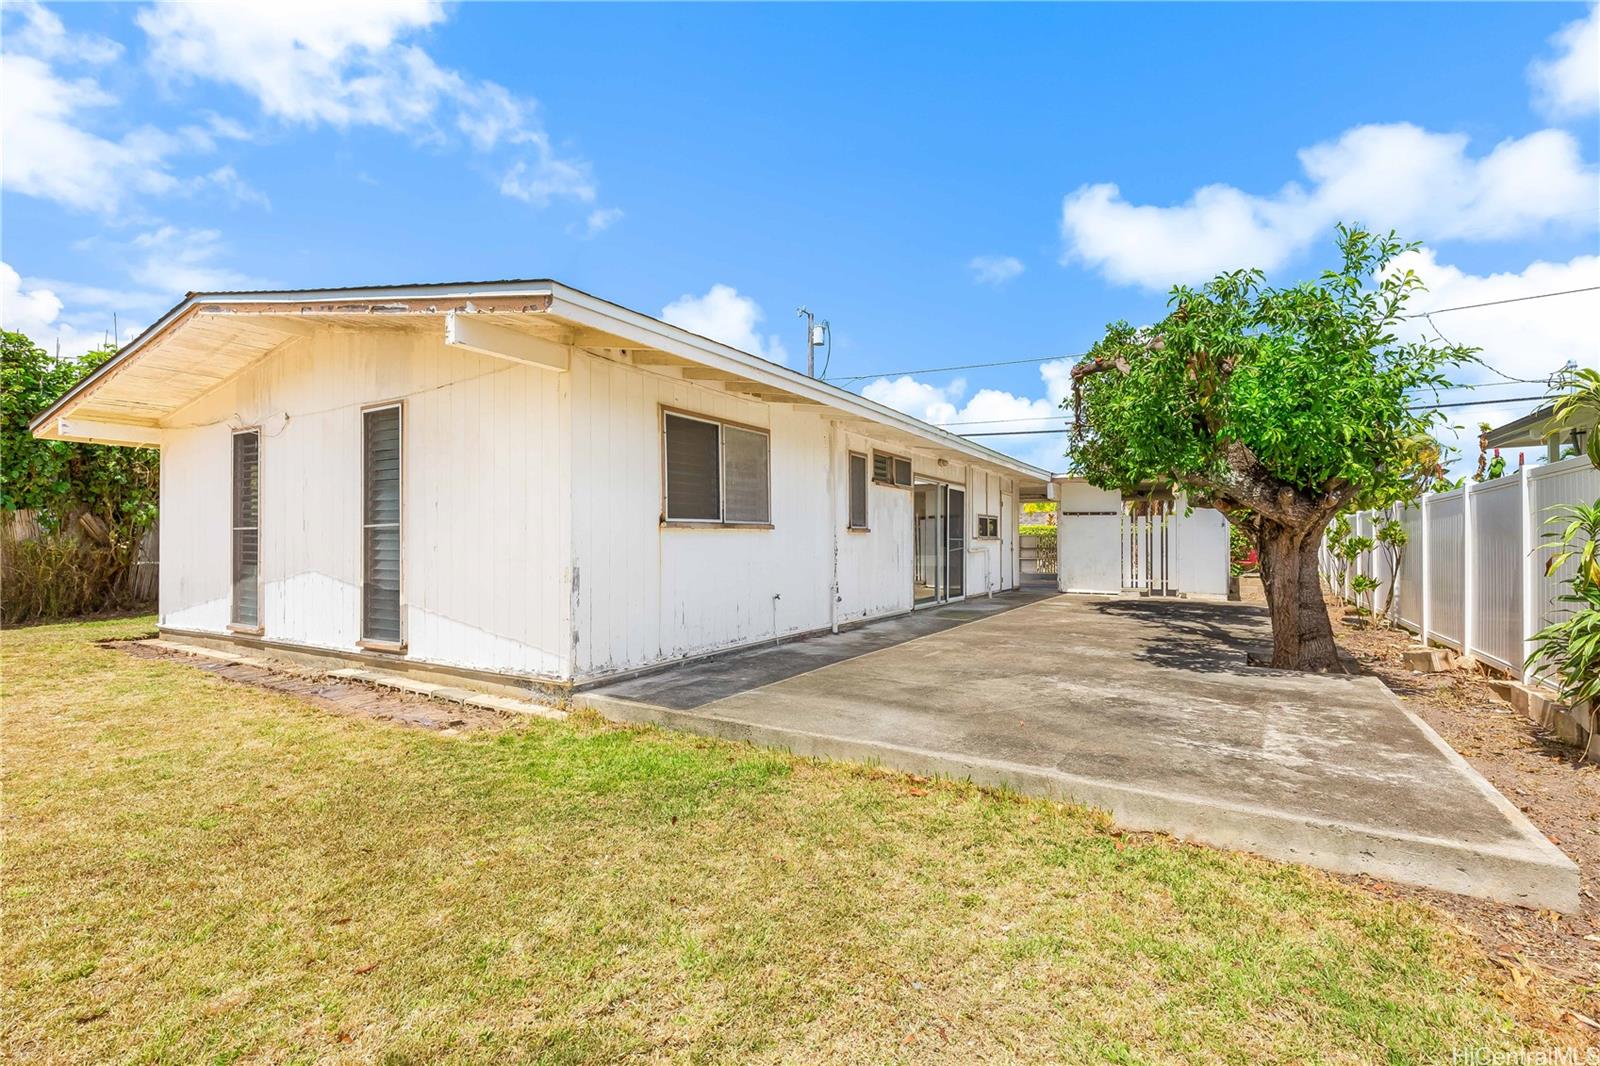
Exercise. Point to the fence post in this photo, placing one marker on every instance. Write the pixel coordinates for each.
(1469, 610)
(1528, 573)
(1427, 600)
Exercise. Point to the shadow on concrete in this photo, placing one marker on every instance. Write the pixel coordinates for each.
(1211, 638)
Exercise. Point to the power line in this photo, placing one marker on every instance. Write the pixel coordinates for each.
(1481, 403)
(1013, 433)
(1056, 358)
(1447, 388)
(997, 421)
(963, 366)
(1507, 300)
(1422, 407)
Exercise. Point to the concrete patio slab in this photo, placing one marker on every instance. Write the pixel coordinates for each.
(1144, 708)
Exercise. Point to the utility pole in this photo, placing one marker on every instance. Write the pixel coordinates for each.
(816, 334)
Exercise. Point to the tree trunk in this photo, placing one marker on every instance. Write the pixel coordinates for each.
(1302, 637)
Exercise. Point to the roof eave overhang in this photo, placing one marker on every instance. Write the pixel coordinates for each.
(590, 311)
(1531, 428)
(572, 306)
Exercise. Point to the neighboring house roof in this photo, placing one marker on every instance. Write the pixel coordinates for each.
(1531, 428)
(207, 338)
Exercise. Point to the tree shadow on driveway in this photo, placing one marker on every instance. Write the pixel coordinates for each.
(1212, 638)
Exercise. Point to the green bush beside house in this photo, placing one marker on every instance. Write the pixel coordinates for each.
(72, 516)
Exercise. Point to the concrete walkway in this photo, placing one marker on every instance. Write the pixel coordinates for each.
(1144, 708)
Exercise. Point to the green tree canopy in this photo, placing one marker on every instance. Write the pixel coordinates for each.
(1278, 406)
(56, 479)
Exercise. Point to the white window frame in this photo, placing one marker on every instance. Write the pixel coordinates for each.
(721, 521)
(894, 459)
(234, 624)
(866, 492)
(372, 643)
(981, 535)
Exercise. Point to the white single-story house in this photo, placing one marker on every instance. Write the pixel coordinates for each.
(521, 482)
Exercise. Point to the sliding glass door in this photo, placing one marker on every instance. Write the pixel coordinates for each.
(939, 543)
(927, 559)
(956, 540)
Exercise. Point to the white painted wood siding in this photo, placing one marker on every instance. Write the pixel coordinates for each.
(484, 529)
(532, 533)
(646, 593)
(874, 566)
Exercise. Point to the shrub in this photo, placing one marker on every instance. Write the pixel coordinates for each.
(1571, 646)
(73, 515)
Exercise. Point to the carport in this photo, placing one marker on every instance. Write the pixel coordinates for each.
(1145, 708)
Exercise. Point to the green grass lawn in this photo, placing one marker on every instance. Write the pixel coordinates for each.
(195, 869)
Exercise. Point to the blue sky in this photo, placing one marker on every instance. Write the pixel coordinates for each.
(946, 184)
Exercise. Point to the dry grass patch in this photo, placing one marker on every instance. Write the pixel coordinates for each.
(197, 870)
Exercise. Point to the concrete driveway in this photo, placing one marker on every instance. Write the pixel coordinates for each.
(1144, 708)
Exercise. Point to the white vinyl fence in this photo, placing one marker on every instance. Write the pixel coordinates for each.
(1471, 575)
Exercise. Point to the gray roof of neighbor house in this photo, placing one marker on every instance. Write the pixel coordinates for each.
(1529, 429)
(1532, 428)
(207, 338)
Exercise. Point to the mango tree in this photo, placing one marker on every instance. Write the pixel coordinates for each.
(1280, 407)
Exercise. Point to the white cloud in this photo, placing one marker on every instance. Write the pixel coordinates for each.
(227, 181)
(1526, 340)
(25, 311)
(1567, 85)
(160, 265)
(51, 155)
(49, 119)
(1530, 339)
(988, 411)
(599, 220)
(36, 30)
(1398, 176)
(175, 260)
(27, 307)
(723, 315)
(309, 63)
(994, 270)
(547, 178)
(355, 64)
(931, 403)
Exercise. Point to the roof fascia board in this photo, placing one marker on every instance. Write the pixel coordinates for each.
(89, 432)
(588, 311)
(194, 300)
(577, 306)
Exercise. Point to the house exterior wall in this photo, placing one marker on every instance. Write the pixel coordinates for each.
(645, 592)
(875, 566)
(532, 539)
(484, 498)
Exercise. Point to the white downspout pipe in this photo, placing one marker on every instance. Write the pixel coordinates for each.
(833, 522)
